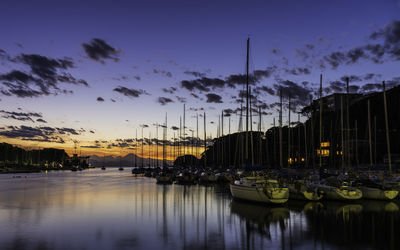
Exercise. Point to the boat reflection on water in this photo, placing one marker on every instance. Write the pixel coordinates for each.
(365, 224)
(259, 216)
(112, 210)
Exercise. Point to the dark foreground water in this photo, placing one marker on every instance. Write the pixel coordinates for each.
(112, 210)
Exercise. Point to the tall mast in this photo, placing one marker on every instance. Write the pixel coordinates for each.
(347, 124)
(197, 133)
(369, 133)
(205, 141)
(289, 153)
(251, 132)
(136, 151)
(142, 147)
(247, 100)
(184, 134)
(280, 131)
(320, 121)
(341, 130)
(259, 138)
(157, 143)
(387, 127)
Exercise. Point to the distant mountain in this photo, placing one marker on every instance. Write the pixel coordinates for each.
(124, 161)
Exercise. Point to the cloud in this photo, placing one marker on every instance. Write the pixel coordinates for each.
(206, 84)
(171, 90)
(43, 79)
(164, 100)
(386, 47)
(181, 99)
(100, 99)
(298, 71)
(265, 89)
(98, 50)
(20, 116)
(162, 72)
(41, 120)
(298, 93)
(130, 92)
(213, 98)
(43, 134)
(195, 73)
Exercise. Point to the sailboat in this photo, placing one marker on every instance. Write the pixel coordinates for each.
(302, 190)
(257, 188)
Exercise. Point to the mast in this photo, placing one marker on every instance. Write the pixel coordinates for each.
(136, 151)
(341, 130)
(280, 130)
(229, 142)
(184, 134)
(320, 121)
(142, 147)
(369, 133)
(247, 101)
(387, 127)
(251, 132)
(157, 143)
(197, 134)
(347, 124)
(259, 137)
(205, 141)
(289, 155)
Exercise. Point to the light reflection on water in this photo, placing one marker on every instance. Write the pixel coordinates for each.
(111, 210)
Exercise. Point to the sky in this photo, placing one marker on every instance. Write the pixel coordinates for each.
(95, 72)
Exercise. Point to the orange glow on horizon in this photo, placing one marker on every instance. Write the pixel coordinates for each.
(69, 147)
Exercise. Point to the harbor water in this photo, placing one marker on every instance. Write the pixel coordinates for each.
(96, 209)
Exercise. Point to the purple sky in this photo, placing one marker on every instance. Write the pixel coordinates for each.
(53, 69)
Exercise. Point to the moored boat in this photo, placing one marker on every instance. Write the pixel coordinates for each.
(340, 192)
(259, 189)
(300, 190)
(376, 191)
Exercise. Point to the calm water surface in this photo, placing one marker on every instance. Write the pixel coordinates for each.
(110, 209)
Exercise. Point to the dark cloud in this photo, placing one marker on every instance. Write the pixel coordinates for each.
(41, 120)
(298, 71)
(20, 116)
(162, 72)
(194, 95)
(44, 134)
(43, 79)
(91, 146)
(181, 99)
(265, 89)
(98, 50)
(174, 128)
(130, 92)
(164, 100)
(391, 39)
(213, 98)
(310, 46)
(387, 47)
(299, 94)
(275, 51)
(170, 90)
(195, 73)
(100, 99)
(137, 78)
(352, 78)
(205, 84)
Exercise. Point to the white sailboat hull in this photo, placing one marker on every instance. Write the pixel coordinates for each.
(260, 194)
(334, 193)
